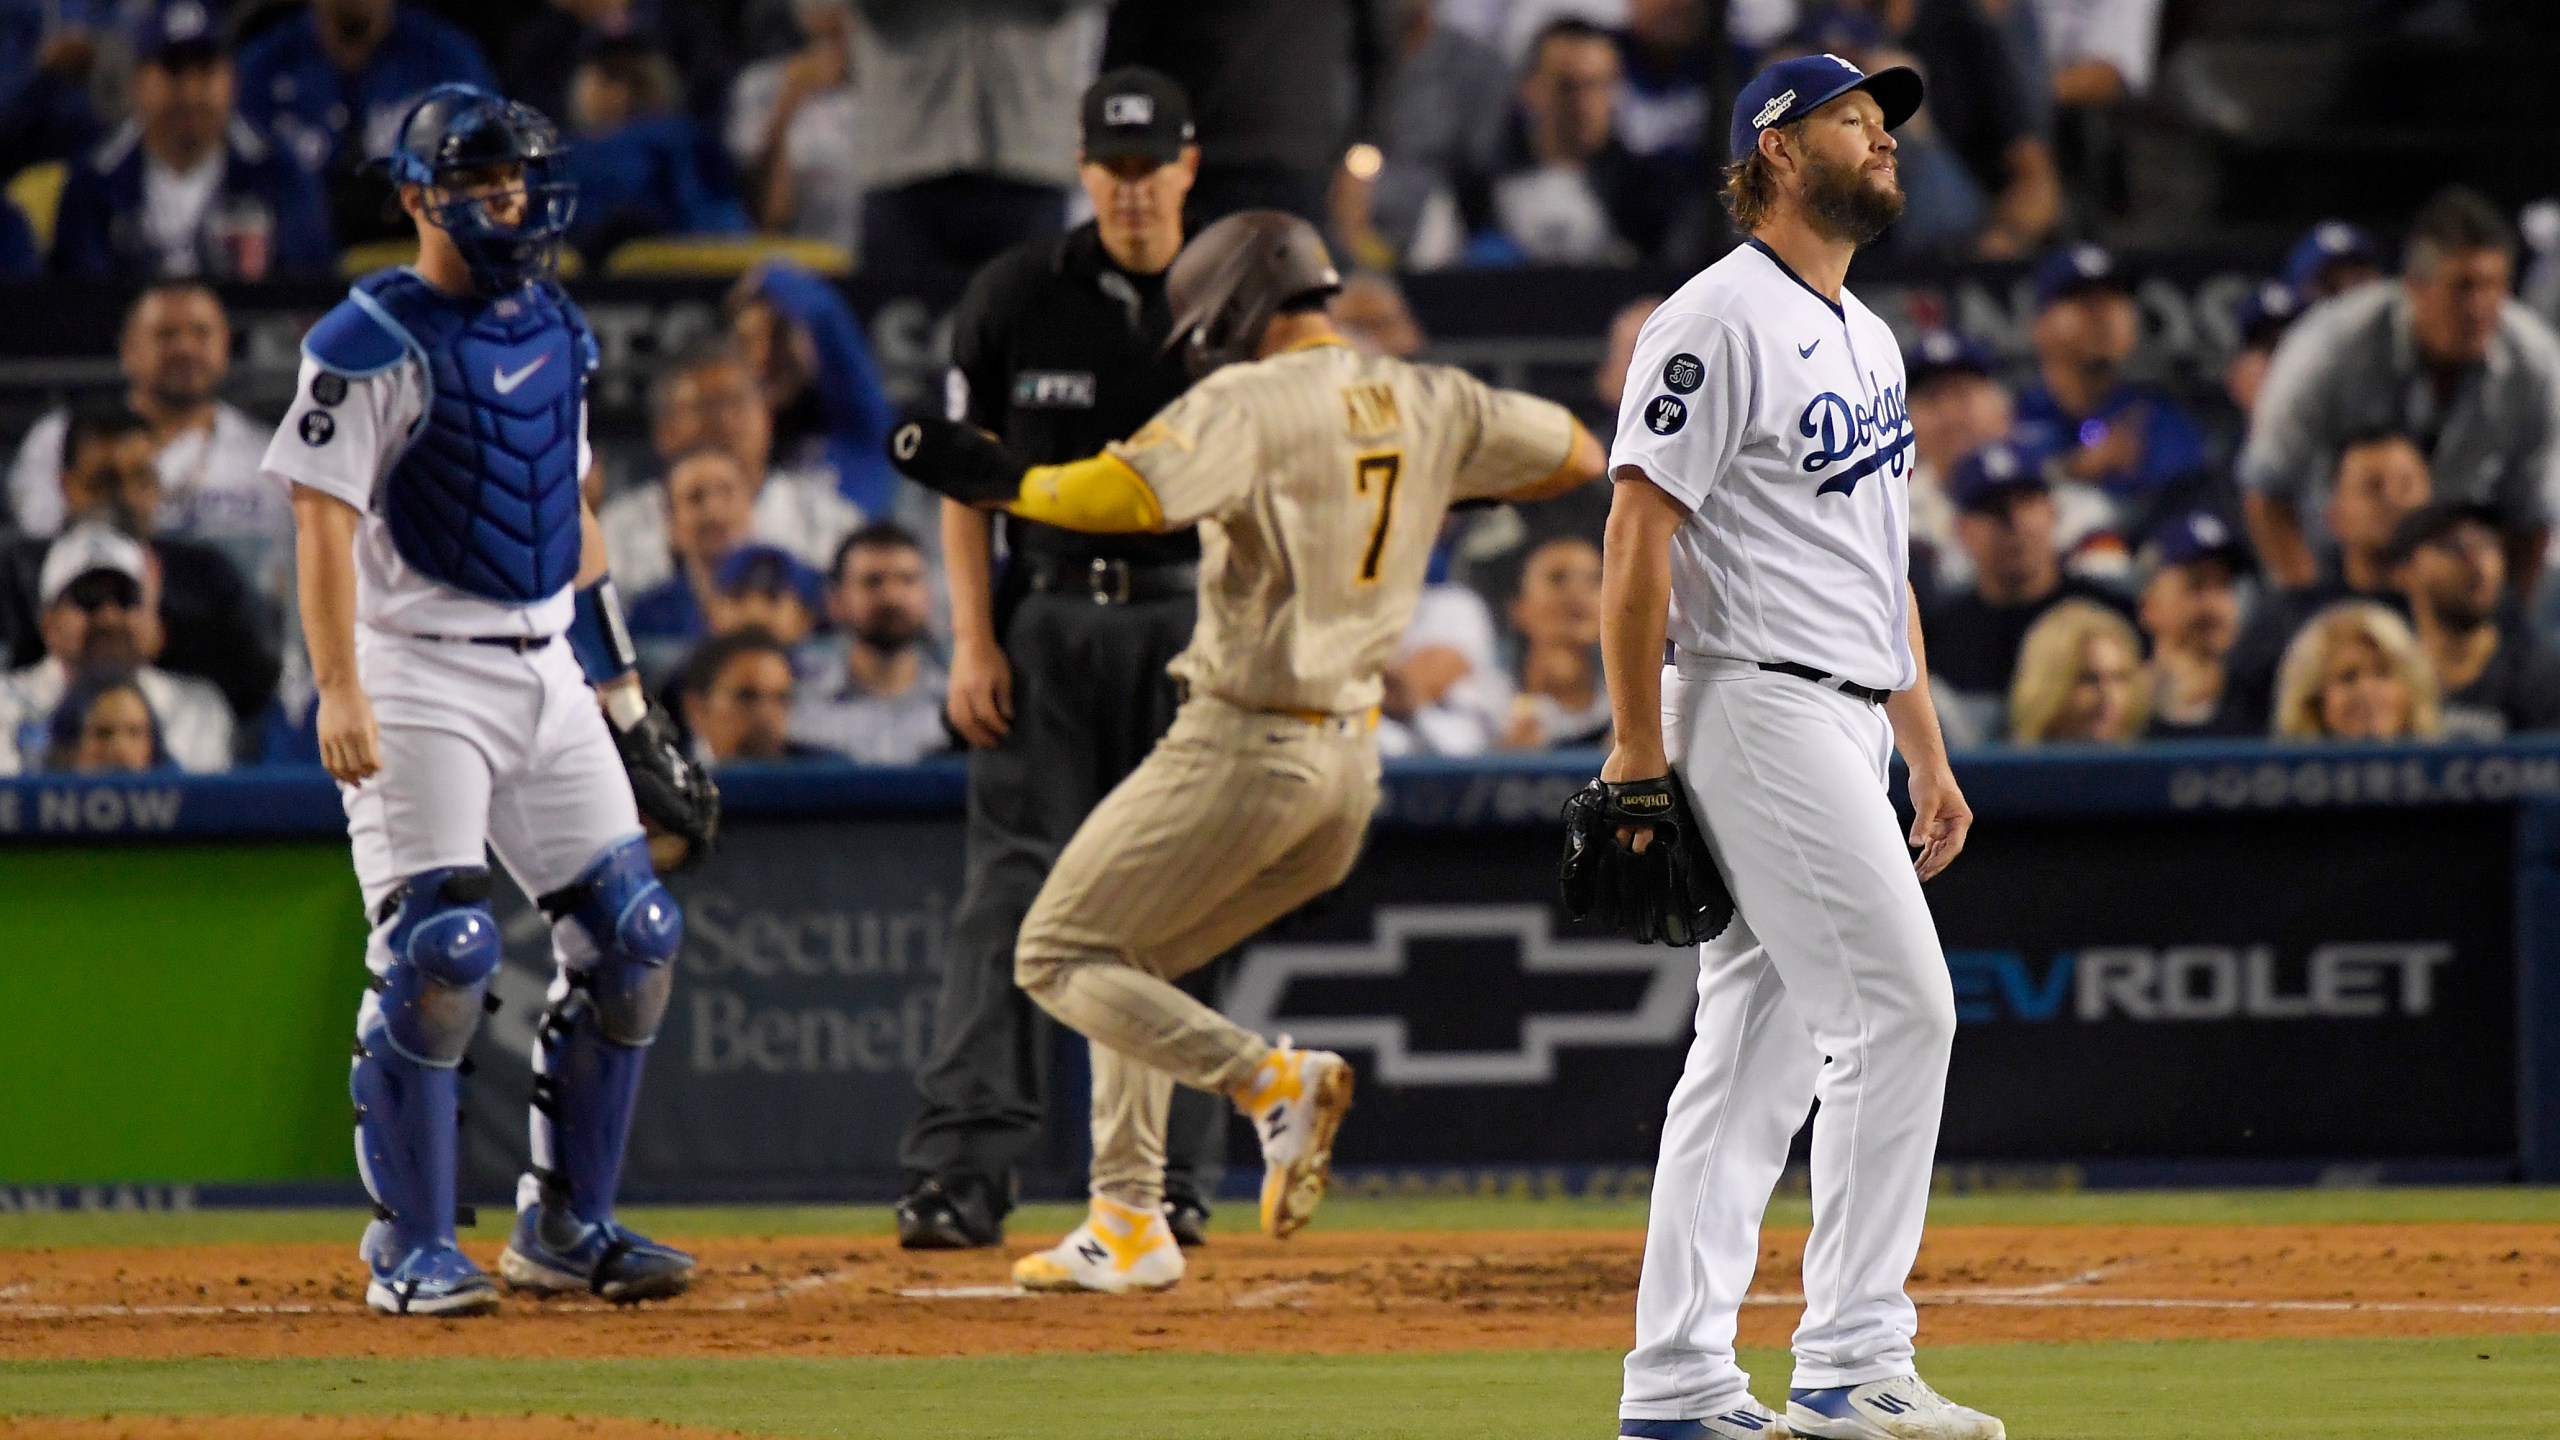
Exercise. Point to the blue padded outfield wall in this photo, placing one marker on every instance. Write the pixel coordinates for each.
(2243, 963)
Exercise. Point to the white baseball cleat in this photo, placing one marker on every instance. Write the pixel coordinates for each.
(1116, 1250)
(1749, 1420)
(1296, 1100)
(1898, 1407)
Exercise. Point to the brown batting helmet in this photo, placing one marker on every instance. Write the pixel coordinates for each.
(1234, 276)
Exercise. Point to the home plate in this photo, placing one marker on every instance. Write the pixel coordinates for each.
(964, 1292)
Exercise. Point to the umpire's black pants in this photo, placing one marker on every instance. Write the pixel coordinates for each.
(1090, 699)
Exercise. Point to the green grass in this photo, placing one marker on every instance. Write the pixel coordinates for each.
(2526, 1205)
(2274, 1390)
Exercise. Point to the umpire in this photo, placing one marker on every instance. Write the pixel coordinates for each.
(1058, 666)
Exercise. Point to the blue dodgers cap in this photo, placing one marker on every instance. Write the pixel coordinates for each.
(179, 33)
(1944, 352)
(2263, 313)
(769, 570)
(1984, 479)
(2077, 270)
(2329, 242)
(1792, 89)
(2194, 535)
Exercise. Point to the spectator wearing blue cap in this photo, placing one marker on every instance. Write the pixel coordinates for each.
(2082, 418)
(710, 513)
(2497, 677)
(882, 703)
(1957, 405)
(2334, 258)
(187, 188)
(765, 587)
(640, 162)
(2260, 320)
(2006, 522)
(331, 85)
(2446, 356)
(2189, 611)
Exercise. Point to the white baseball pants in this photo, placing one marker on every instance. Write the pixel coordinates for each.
(1829, 985)
(483, 747)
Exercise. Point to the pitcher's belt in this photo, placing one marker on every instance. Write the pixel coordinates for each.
(1828, 681)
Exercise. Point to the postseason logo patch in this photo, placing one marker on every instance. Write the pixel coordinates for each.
(328, 388)
(1665, 415)
(317, 428)
(1684, 373)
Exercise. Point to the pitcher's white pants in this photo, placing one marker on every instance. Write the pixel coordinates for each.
(1830, 984)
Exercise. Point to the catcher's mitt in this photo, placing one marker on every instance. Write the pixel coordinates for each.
(1668, 894)
(674, 794)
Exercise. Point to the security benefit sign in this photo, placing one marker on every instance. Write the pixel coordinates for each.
(2239, 988)
(1486, 1028)
(803, 1006)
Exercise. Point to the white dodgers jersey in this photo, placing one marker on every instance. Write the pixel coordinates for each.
(1777, 418)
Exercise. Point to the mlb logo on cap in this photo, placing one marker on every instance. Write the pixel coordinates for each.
(1792, 89)
(1129, 110)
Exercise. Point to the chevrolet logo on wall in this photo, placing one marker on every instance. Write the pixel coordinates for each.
(1661, 981)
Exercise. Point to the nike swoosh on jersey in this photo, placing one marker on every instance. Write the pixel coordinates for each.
(507, 381)
(1805, 352)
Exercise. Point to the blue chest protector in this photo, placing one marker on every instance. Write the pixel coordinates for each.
(484, 498)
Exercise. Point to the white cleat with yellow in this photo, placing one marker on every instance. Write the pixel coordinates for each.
(1117, 1249)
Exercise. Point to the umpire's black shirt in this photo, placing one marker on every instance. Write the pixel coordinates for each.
(1059, 351)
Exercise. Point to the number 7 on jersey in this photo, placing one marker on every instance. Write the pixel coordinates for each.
(1375, 476)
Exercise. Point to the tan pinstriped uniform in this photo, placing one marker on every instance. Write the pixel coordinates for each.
(1319, 479)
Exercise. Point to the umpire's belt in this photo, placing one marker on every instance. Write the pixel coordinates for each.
(1114, 582)
(1829, 681)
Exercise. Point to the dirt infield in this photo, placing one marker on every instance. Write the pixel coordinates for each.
(361, 1427)
(1322, 1292)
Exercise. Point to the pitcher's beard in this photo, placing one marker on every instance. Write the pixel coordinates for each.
(1840, 201)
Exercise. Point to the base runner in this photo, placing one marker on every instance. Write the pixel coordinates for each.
(1761, 508)
(1318, 477)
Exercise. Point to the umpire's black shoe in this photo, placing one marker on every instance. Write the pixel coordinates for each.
(936, 1217)
(1187, 1216)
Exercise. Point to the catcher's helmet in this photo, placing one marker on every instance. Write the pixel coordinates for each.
(456, 129)
(1234, 276)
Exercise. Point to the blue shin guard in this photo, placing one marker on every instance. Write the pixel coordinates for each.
(597, 1032)
(411, 1033)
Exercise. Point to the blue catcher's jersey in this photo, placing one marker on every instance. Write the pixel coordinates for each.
(482, 494)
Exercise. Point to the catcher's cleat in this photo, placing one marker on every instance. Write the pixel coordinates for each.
(554, 1252)
(1117, 1249)
(434, 1279)
(1296, 1099)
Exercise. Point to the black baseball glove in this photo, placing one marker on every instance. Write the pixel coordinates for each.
(1669, 893)
(675, 795)
(954, 459)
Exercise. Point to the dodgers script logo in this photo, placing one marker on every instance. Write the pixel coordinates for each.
(1840, 429)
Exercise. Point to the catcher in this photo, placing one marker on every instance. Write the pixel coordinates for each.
(1318, 477)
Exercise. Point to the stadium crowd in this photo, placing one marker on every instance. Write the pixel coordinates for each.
(2344, 539)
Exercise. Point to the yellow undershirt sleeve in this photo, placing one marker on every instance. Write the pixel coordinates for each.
(1102, 494)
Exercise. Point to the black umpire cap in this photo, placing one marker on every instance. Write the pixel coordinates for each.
(1135, 111)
